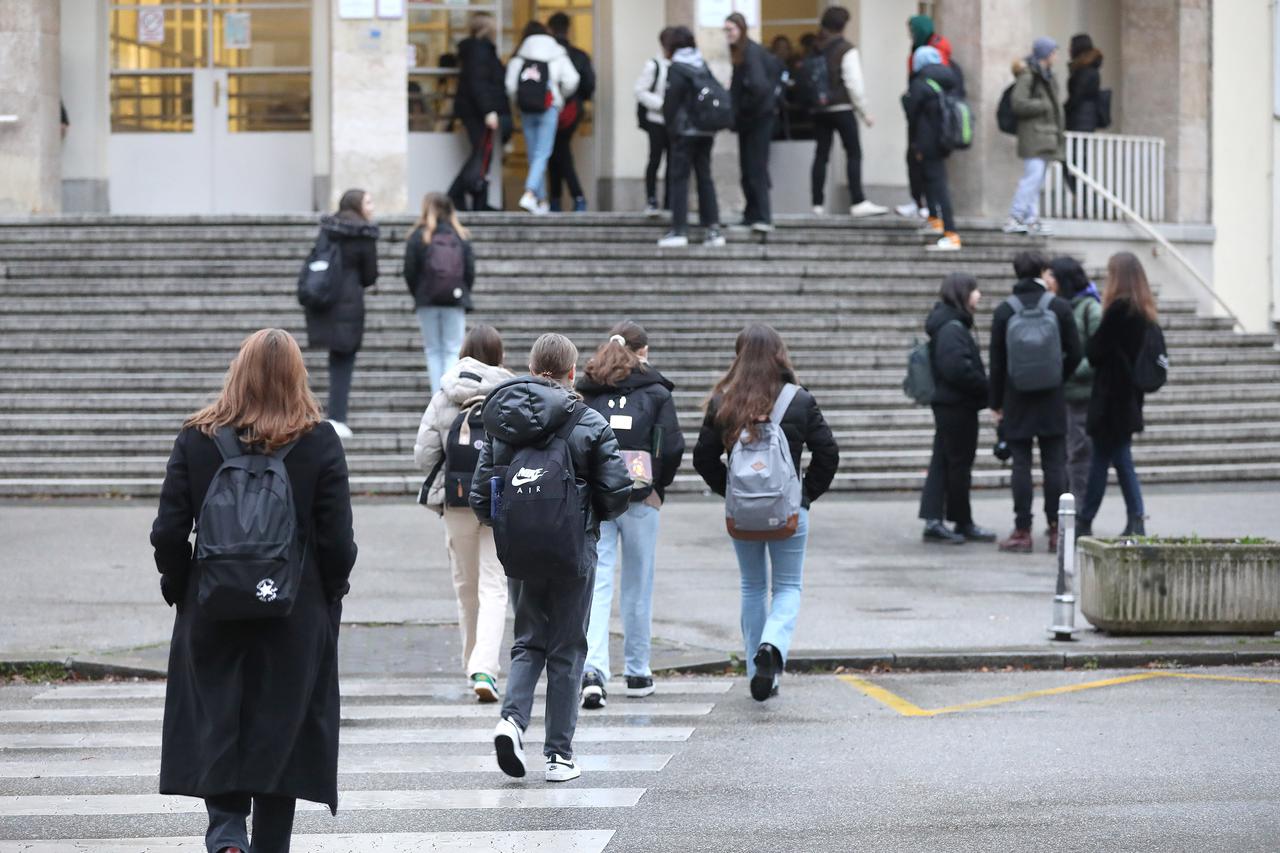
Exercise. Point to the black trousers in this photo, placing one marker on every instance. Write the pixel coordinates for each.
(691, 153)
(272, 823)
(460, 191)
(936, 191)
(915, 175)
(845, 123)
(955, 443)
(1053, 462)
(560, 169)
(658, 148)
(342, 365)
(753, 160)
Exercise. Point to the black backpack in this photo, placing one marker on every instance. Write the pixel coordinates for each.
(1005, 119)
(1151, 367)
(586, 74)
(813, 86)
(634, 424)
(712, 110)
(533, 91)
(444, 279)
(321, 277)
(247, 553)
(540, 522)
(462, 452)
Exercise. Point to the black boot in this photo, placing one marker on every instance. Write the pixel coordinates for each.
(768, 662)
(936, 531)
(973, 533)
(1137, 526)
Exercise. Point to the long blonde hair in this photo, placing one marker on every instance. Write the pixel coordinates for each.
(437, 207)
(265, 395)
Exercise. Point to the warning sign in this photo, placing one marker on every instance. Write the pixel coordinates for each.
(151, 26)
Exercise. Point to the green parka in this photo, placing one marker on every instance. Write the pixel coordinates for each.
(1041, 123)
(1088, 314)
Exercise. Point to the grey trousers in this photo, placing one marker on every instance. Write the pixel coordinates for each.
(272, 823)
(1079, 450)
(551, 633)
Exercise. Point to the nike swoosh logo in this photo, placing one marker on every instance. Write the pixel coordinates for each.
(524, 476)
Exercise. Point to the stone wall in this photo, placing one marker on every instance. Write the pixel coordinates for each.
(30, 148)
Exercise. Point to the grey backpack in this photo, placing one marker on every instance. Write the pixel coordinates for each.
(247, 549)
(762, 493)
(1033, 344)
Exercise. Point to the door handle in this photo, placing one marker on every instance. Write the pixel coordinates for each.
(217, 92)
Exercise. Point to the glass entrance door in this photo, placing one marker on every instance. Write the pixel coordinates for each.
(210, 107)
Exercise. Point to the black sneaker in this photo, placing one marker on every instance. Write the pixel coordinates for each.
(974, 533)
(594, 695)
(937, 532)
(639, 686)
(768, 662)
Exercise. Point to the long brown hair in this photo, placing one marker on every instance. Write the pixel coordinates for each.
(761, 366)
(265, 394)
(1127, 281)
(484, 344)
(437, 208)
(738, 50)
(618, 357)
(552, 357)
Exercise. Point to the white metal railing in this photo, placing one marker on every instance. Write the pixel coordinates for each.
(1131, 168)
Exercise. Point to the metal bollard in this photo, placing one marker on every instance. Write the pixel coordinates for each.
(1064, 600)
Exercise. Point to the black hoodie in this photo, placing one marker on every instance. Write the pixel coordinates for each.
(923, 107)
(646, 396)
(341, 327)
(959, 377)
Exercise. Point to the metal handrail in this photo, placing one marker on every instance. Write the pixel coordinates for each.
(1151, 232)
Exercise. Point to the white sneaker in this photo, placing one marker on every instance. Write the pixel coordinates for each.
(561, 769)
(762, 227)
(1013, 226)
(1038, 226)
(543, 208)
(946, 243)
(907, 211)
(344, 432)
(819, 210)
(866, 208)
(652, 211)
(508, 743)
(672, 240)
(529, 202)
(714, 238)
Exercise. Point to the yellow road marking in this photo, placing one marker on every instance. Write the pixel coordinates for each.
(910, 709)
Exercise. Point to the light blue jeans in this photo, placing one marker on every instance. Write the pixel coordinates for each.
(638, 530)
(443, 328)
(539, 140)
(765, 621)
(1026, 199)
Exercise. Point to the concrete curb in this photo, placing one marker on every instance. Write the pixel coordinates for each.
(91, 670)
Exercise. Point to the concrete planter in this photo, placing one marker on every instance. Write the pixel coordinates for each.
(1212, 586)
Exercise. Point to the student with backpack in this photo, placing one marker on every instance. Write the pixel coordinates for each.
(960, 392)
(343, 264)
(481, 105)
(1033, 103)
(549, 473)
(651, 91)
(760, 416)
(925, 105)
(1128, 354)
(1067, 279)
(541, 77)
(561, 169)
(831, 85)
(447, 449)
(635, 398)
(695, 108)
(920, 29)
(440, 270)
(1034, 348)
(251, 706)
(754, 91)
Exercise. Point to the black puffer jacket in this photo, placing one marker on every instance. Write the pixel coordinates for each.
(959, 377)
(417, 255)
(481, 80)
(1115, 406)
(682, 89)
(527, 410)
(341, 328)
(924, 110)
(753, 93)
(1083, 87)
(803, 425)
(644, 397)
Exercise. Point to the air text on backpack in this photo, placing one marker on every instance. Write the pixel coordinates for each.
(762, 491)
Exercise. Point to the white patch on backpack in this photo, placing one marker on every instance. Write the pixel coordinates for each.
(527, 475)
(267, 590)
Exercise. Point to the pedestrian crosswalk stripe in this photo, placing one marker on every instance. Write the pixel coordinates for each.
(155, 713)
(97, 805)
(567, 841)
(91, 767)
(348, 736)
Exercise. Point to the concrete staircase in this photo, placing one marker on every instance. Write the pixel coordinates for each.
(112, 329)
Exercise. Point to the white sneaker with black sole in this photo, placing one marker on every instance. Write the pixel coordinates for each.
(508, 744)
(639, 686)
(561, 769)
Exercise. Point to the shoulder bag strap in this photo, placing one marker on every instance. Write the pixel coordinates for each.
(1015, 303)
(228, 443)
(783, 402)
(1046, 299)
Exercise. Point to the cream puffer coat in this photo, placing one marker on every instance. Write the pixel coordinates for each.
(467, 382)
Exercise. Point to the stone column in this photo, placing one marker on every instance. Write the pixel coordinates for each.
(1165, 45)
(627, 38)
(368, 110)
(986, 36)
(30, 79)
(85, 70)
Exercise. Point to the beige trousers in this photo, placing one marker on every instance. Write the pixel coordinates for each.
(481, 589)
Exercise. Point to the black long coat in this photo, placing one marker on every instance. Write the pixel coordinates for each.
(341, 328)
(959, 377)
(253, 706)
(1036, 413)
(1115, 405)
(481, 80)
(1084, 87)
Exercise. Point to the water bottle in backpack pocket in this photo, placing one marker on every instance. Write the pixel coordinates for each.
(1033, 344)
(762, 492)
(248, 557)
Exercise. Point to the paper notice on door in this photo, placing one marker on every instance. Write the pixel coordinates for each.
(620, 421)
(391, 9)
(354, 9)
(151, 26)
(235, 31)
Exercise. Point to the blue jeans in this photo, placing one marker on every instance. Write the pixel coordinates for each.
(539, 140)
(443, 328)
(1105, 457)
(764, 621)
(1026, 200)
(638, 529)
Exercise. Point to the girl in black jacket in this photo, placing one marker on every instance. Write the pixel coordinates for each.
(1115, 406)
(482, 107)
(743, 398)
(755, 104)
(960, 392)
(251, 708)
(636, 399)
(690, 147)
(340, 328)
(1084, 86)
(440, 270)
